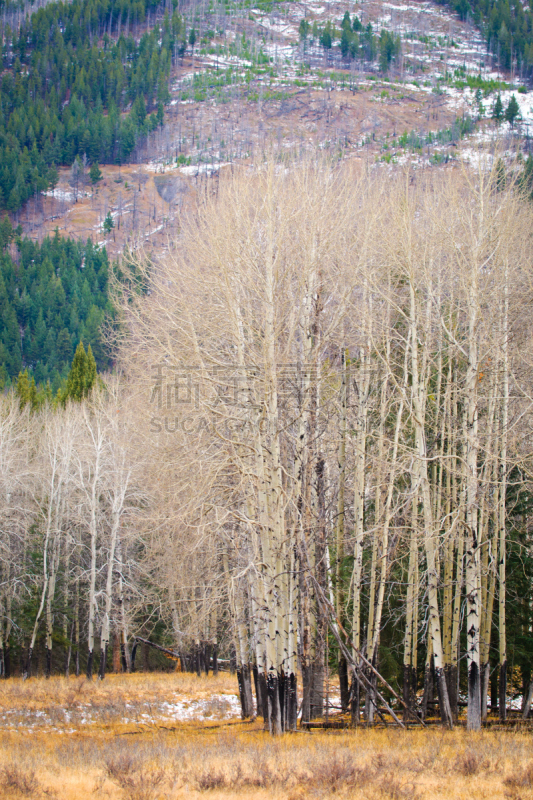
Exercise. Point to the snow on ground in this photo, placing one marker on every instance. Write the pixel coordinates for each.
(478, 158)
(60, 194)
(179, 709)
(202, 169)
(525, 101)
(226, 706)
(282, 28)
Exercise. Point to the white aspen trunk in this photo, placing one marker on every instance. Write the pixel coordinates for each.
(54, 566)
(46, 577)
(304, 468)
(409, 642)
(340, 527)
(77, 623)
(377, 543)
(277, 604)
(447, 598)
(242, 651)
(360, 424)
(487, 590)
(66, 599)
(92, 575)
(430, 534)
(447, 438)
(456, 621)
(2, 616)
(8, 605)
(527, 701)
(91, 483)
(124, 637)
(457, 504)
(472, 559)
(291, 668)
(502, 650)
(489, 604)
(105, 631)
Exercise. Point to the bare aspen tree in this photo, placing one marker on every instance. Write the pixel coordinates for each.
(267, 249)
(57, 448)
(91, 474)
(17, 486)
(502, 491)
(119, 494)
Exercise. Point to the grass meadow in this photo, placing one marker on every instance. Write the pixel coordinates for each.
(166, 736)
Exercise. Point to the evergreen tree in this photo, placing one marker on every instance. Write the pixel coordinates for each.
(108, 223)
(346, 41)
(26, 391)
(82, 375)
(389, 47)
(303, 29)
(95, 174)
(512, 112)
(326, 37)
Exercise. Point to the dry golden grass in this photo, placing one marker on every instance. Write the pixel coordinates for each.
(100, 755)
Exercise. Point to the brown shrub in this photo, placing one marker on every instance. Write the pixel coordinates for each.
(470, 763)
(212, 779)
(16, 781)
(337, 773)
(393, 789)
(520, 781)
(137, 781)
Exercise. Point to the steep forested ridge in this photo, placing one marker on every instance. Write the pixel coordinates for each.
(67, 83)
(51, 296)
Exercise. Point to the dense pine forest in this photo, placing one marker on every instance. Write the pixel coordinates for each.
(52, 295)
(70, 73)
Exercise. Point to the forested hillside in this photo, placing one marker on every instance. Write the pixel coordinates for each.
(52, 296)
(507, 27)
(70, 72)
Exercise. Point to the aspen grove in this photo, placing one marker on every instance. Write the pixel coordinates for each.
(314, 455)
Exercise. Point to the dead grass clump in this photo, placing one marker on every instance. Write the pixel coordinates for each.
(19, 782)
(470, 763)
(393, 789)
(212, 779)
(137, 781)
(262, 777)
(516, 783)
(338, 773)
(217, 707)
